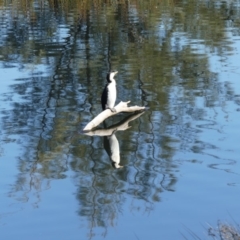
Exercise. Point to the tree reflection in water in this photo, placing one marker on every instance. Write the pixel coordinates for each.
(66, 48)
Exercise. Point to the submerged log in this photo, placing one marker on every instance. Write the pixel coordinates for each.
(121, 107)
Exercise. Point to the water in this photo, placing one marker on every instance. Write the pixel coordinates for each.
(180, 158)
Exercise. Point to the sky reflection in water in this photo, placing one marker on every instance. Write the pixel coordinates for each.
(180, 158)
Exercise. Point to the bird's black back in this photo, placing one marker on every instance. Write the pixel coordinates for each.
(104, 97)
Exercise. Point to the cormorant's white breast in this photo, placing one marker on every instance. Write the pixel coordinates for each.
(109, 94)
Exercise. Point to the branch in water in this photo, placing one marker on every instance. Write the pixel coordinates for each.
(121, 107)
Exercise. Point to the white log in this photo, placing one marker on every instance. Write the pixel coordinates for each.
(121, 107)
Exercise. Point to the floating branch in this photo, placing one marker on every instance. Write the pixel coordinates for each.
(121, 126)
(121, 107)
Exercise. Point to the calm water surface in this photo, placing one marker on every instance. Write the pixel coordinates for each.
(180, 159)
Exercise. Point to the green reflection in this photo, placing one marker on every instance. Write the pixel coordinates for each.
(161, 50)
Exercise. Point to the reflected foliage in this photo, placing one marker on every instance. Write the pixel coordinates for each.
(160, 49)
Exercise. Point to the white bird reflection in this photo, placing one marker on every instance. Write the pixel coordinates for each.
(111, 146)
(111, 143)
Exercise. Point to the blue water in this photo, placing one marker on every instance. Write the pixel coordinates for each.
(180, 158)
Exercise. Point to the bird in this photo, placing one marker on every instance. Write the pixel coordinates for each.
(109, 93)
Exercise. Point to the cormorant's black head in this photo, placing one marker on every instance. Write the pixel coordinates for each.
(110, 76)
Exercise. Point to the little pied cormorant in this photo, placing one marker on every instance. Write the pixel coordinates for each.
(109, 94)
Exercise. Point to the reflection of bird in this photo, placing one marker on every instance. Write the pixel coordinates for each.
(109, 94)
(111, 146)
